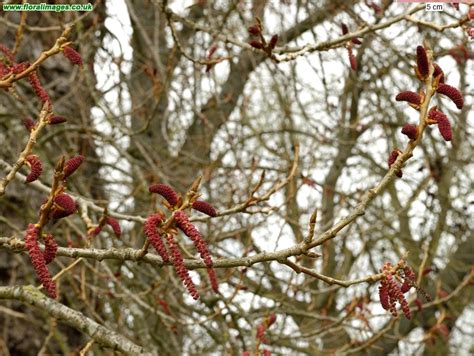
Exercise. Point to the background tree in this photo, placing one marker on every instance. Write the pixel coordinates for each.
(290, 135)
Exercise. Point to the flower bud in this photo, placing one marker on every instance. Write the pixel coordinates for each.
(344, 29)
(36, 167)
(438, 72)
(114, 224)
(409, 96)
(273, 41)
(56, 119)
(254, 30)
(411, 131)
(37, 87)
(64, 205)
(256, 44)
(422, 61)
(29, 124)
(204, 207)
(72, 55)
(72, 165)
(352, 59)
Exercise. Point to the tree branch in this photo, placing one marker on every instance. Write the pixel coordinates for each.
(99, 333)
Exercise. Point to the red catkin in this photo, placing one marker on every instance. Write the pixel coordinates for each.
(38, 261)
(409, 279)
(419, 304)
(50, 248)
(17, 68)
(261, 333)
(263, 327)
(254, 30)
(213, 279)
(3, 70)
(442, 330)
(56, 119)
(344, 29)
(71, 165)
(356, 41)
(7, 53)
(36, 168)
(165, 191)
(409, 96)
(427, 270)
(409, 275)
(96, 231)
(180, 268)
(256, 44)
(114, 224)
(29, 124)
(352, 59)
(438, 72)
(154, 237)
(391, 160)
(377, 9)
(452, 93)
(204, 207)
(183, 223)
(422, 61)
(64, 205)
(72, 55)
(444, 125)
(411, 131)
(271, 319)
(165, 306)
(211, 52)
(405, 287)
(273, 41)
(37, 87)
(433, 115)
(383, 295)
(393, 157)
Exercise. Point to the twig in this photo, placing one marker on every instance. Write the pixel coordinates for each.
(42, 122)
(86, 348)
(330, 280)
(309, 48)
(77, 320)
(60, 42)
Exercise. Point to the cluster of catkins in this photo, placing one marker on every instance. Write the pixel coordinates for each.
(415, 100)
(391, 292)
(349, 44)
(60, 206)
(260, 43)
(158, 235)
(8, 66)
